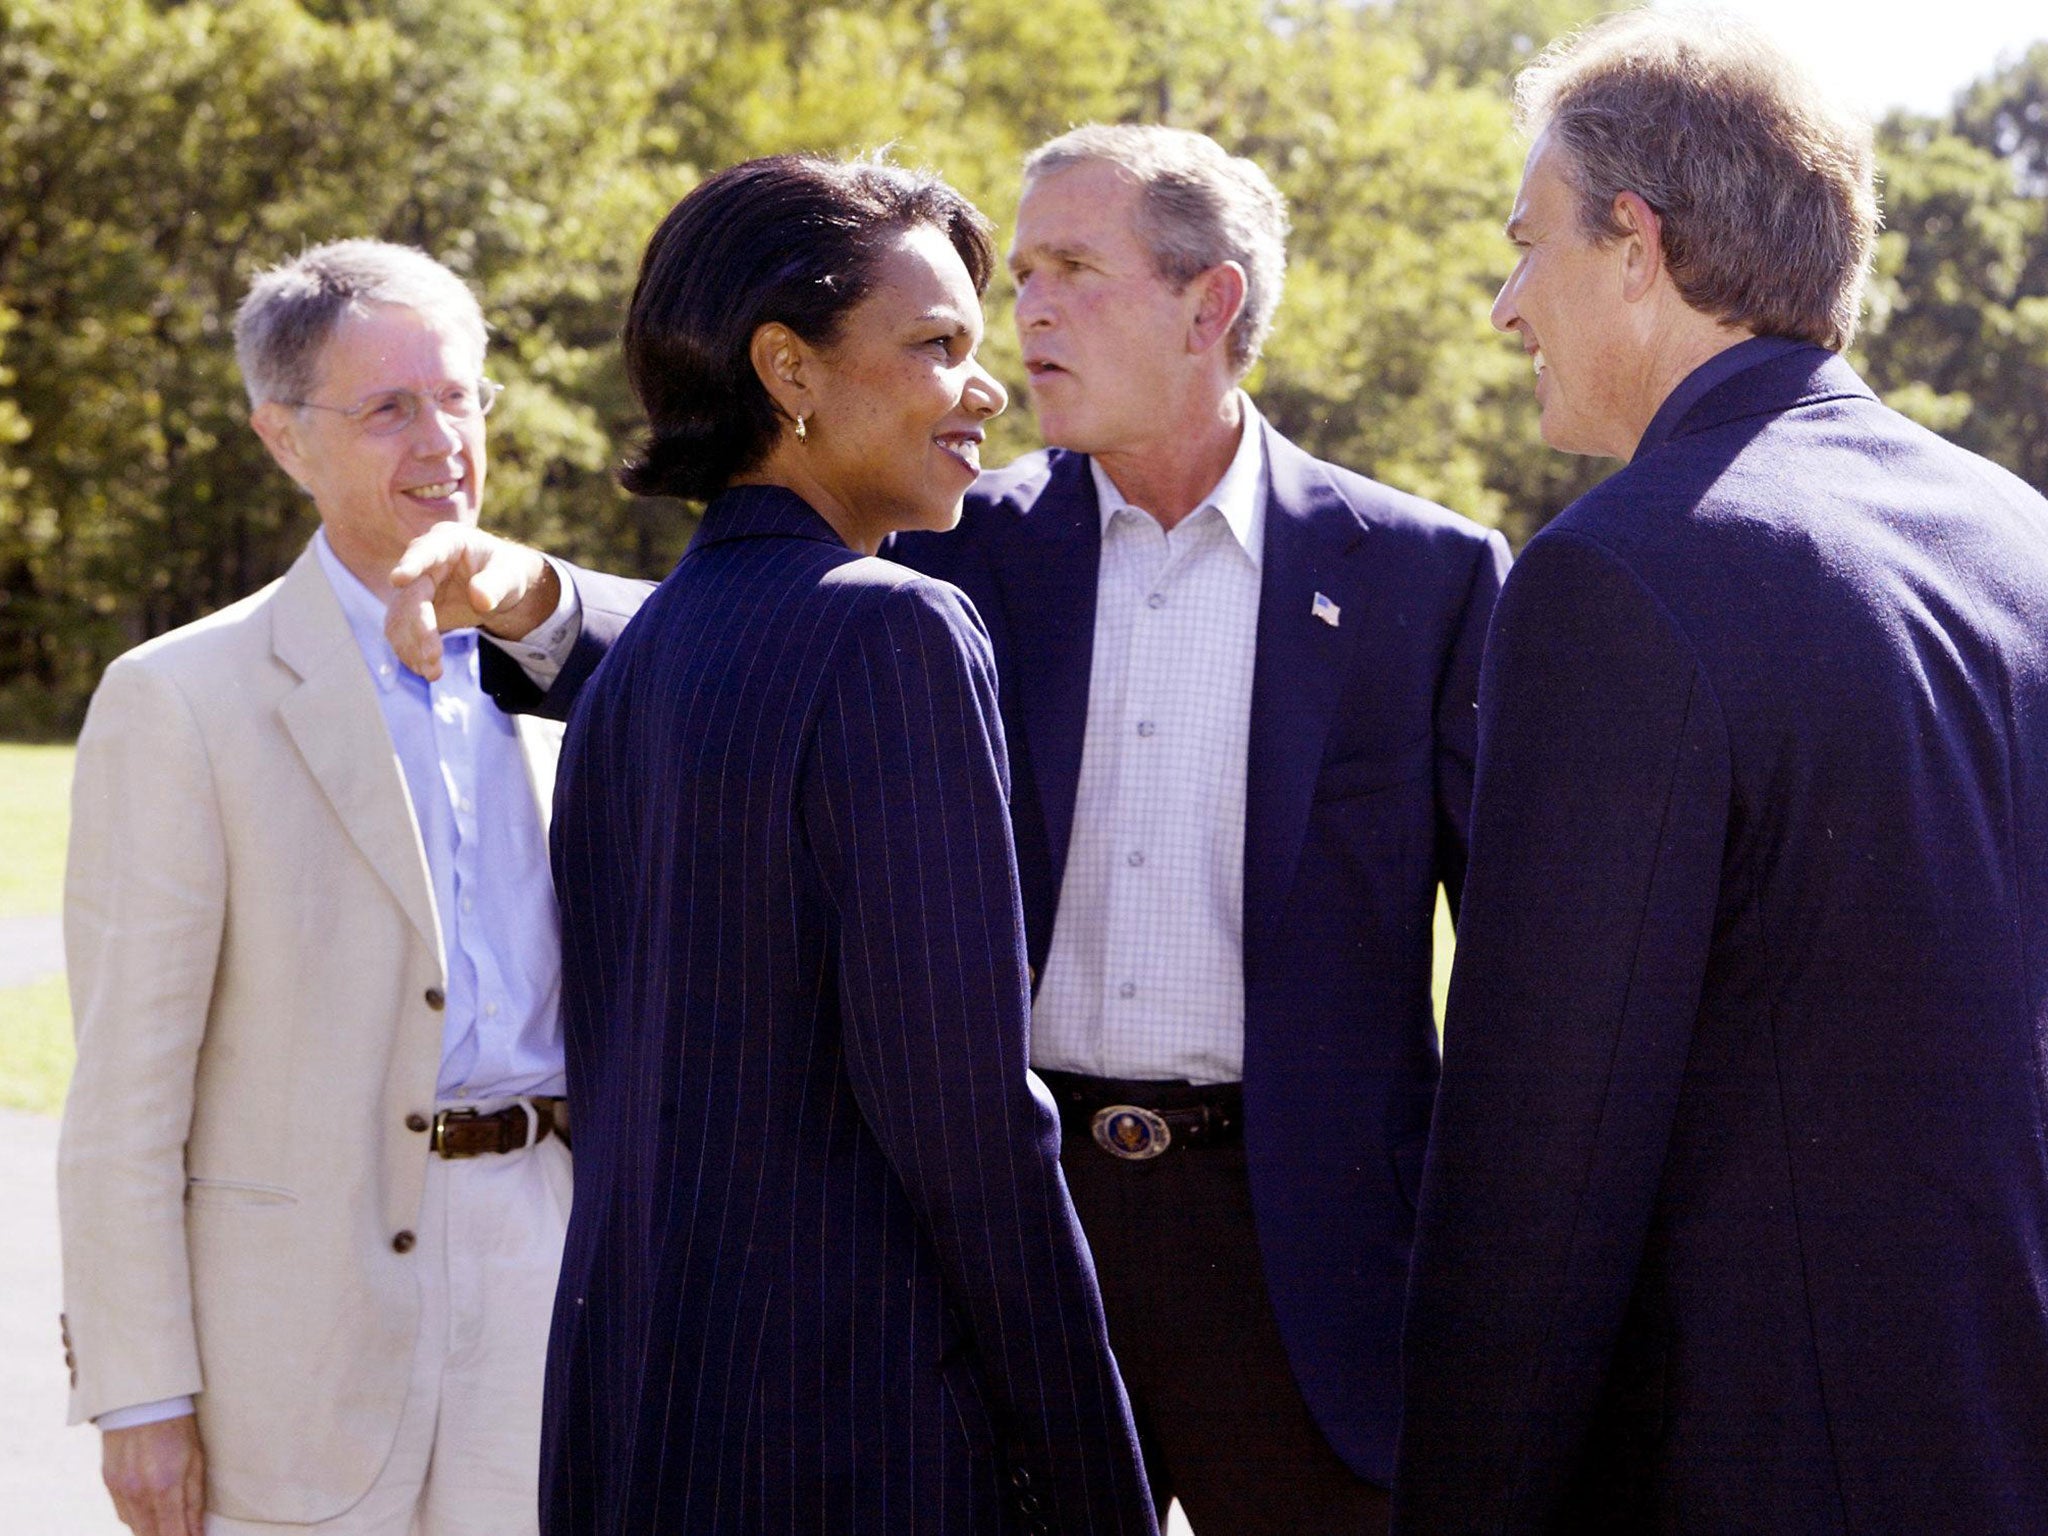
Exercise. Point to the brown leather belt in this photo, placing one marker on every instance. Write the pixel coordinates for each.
(466, 1133)
(1135, 1122)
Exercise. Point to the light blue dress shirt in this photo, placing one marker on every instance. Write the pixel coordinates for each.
(501, 1034)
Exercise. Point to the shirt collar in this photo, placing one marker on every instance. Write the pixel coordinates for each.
(1240, 496)
(365, 611)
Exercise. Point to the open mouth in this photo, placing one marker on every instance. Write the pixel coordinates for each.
(1039, 368)
(1536, 358)
(964, 446)
(433, 490)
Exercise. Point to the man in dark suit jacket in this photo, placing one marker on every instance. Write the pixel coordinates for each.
(1238, 687)
(1734, 1212)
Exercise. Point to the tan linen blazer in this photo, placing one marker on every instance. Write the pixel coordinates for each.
(256, 967)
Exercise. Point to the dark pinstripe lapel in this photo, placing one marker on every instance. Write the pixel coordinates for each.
(1302, 663)
(1048, 584)
(762, 512)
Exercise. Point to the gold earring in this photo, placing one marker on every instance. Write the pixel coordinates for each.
(803, 432)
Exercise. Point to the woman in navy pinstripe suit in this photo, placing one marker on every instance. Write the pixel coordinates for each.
(822, 1273)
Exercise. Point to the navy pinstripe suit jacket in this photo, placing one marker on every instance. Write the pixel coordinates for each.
(822, 1274)
(1357, 798)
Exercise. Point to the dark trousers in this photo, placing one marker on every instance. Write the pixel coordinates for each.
(1221, 1421)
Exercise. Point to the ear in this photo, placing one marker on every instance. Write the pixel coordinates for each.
(786, 365)
(279, 427)
(1219, 301)
(1641, 245)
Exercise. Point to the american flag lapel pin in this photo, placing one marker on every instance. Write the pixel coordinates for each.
(1325, 610)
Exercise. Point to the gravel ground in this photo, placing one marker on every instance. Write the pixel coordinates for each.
(30, 949)
(49, 1475)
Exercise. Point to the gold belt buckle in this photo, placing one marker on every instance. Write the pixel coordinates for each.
(441, 1118)
(1131, 1132)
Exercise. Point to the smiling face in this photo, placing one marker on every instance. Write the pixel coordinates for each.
(377, 494)
(1104, 336)
(899, 398)
(1565, 303)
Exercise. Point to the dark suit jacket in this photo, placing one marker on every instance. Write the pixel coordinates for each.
(1360, 778)
(1362, 742)
(1736, 1215)
(821, 1274)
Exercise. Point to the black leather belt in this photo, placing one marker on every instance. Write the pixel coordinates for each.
(1138, 1121)
(465, 1133)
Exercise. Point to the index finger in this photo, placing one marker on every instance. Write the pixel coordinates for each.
(410, 626)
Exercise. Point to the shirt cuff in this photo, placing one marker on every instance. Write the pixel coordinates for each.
(145, 1413)
(547, 646)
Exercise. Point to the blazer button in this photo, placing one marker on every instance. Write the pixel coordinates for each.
(1020, 1478)
(436, 999)
(415, 1121)
(1030, 1503)
(403, 1242)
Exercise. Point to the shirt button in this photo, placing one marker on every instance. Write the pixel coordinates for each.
(490, 1010)
(1156, 600)
(384, 669)
(415, 1122)
(1146, 728)
(436, 999)
(468, 904)
(403, 1242)
(1128, 989)
(1134, 858)
(465, 806)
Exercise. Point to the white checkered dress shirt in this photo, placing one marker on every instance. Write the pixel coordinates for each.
(1145, 978)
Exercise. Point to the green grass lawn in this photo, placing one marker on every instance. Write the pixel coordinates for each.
(35, 1020)
(35, 818)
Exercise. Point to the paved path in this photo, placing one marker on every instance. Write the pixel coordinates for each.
(30, 949)
(49, 1475)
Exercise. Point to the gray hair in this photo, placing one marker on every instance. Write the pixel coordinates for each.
(293, 308)
(1199, 208)
(1761, 184)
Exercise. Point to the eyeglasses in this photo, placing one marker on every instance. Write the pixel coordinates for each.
(391, 411)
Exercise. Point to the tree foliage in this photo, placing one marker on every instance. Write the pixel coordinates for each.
(154, 156)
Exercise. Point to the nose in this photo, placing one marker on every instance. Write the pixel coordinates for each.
(1032, 311)
(985, 395)
(433, 431)
(1505, 316)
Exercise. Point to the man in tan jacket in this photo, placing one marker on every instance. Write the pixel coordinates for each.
(313, 1173)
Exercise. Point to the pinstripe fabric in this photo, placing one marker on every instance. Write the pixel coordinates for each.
(822, 1274)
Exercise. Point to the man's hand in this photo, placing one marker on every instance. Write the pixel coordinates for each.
(157, 1475)
(455, 576)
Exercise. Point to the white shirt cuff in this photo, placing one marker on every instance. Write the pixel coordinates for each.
(546, 648)
(145, 1413)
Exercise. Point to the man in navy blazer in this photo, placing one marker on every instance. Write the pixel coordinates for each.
(1238, 686)
(1735, 1206)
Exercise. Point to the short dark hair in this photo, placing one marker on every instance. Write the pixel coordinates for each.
(1763, 184)
(788, 238)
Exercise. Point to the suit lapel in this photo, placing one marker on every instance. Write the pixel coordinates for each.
(335, 722)
(1048, 585)
(1299, 670)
